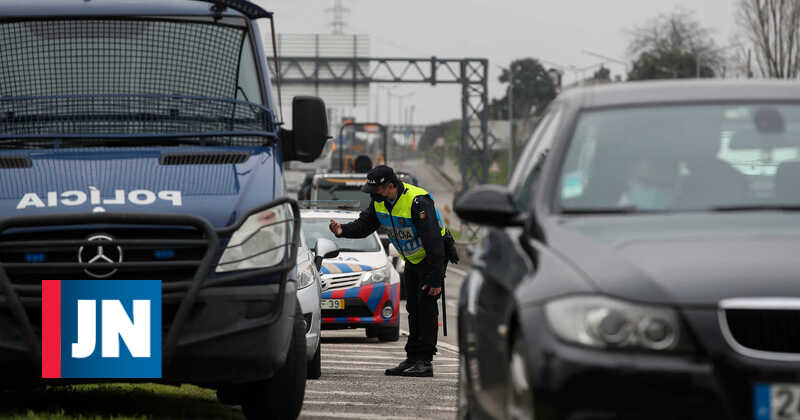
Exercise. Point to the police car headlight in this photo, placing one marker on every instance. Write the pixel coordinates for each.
(260, 242)
(376, 276)
(305, 275)
(603, 322)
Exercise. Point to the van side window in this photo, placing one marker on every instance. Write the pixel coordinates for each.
(533, 158)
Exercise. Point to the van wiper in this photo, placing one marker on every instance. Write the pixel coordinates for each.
(758, 207)
(106, 142)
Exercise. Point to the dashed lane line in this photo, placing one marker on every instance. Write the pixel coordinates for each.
(364, 394)
(366, 404)
(331, 355)
(381, 370)
(461, 273)
(353, 416)
(444, 346)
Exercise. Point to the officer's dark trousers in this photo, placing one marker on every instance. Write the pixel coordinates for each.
(423, 316)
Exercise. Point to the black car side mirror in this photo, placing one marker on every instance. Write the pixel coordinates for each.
(488, 205)
(309, 130)
(324, 248)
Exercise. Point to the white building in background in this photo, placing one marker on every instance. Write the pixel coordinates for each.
(341, 99)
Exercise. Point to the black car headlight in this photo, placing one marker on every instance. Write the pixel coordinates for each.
(260, 242)
(603, 322)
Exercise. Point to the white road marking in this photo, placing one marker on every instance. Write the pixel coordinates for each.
(461, 273)
(365, 404)
(328, 414)
(331, 355)
(343, 393)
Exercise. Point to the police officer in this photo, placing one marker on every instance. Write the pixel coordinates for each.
(408, 214)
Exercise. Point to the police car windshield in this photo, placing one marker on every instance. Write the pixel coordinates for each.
(317, 228)
(341, 192)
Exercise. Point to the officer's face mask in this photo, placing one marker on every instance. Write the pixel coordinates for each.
(377, 197)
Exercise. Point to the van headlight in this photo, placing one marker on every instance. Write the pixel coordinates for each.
(305, 275)
(260, 242)
(376, 276)
(604, 322)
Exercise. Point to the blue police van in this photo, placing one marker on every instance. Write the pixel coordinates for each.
(145, 234)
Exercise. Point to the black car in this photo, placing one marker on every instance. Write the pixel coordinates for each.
(643, 261)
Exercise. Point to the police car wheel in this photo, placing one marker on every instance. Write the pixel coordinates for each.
(389, 333)
(314, 370)
(281, 397)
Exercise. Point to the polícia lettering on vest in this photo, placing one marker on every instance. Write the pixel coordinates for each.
(95, 197)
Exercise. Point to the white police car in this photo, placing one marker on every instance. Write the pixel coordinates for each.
(360, 287)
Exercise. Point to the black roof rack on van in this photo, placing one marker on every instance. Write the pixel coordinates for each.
(252, 11)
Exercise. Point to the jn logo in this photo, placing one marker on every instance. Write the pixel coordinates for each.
(101, 329)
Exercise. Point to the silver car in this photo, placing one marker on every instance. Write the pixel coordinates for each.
(309, 289)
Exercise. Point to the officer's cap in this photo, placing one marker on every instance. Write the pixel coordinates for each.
(377, 176)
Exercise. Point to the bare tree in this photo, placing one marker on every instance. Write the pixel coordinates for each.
(773, 28)
(676, 40)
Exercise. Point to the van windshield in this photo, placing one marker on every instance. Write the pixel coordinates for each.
(133, 78)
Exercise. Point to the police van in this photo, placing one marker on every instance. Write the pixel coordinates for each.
(144, 230)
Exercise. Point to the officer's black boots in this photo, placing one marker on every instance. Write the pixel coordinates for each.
(397, 370)
(421, 369)
(414, 368)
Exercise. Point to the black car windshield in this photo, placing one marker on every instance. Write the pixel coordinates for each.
(317, 228)
(730, 157)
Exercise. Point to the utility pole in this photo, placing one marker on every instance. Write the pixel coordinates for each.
(338, 12)
(511, 119)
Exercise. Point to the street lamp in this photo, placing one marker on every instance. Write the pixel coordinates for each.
(510, 70)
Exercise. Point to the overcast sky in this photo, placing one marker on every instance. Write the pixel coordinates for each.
(501, 30)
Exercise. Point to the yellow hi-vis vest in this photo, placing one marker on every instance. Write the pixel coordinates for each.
(402, 231)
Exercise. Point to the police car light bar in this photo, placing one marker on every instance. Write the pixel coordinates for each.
(330, 204)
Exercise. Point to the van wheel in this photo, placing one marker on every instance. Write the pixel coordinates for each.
(314, 370)
(281, 397)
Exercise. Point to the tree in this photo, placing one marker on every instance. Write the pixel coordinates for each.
(532, 87)
(603, 73)
(773, 29)
(669, 46)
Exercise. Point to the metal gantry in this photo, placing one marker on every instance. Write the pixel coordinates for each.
(470, 73)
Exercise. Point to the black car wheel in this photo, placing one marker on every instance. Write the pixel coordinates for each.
(314, 370)
(519, 396)
(281, 397)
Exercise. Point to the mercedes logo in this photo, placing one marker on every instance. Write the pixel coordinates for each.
(100, 255)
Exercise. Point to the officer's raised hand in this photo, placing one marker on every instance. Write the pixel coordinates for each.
(335, 227)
